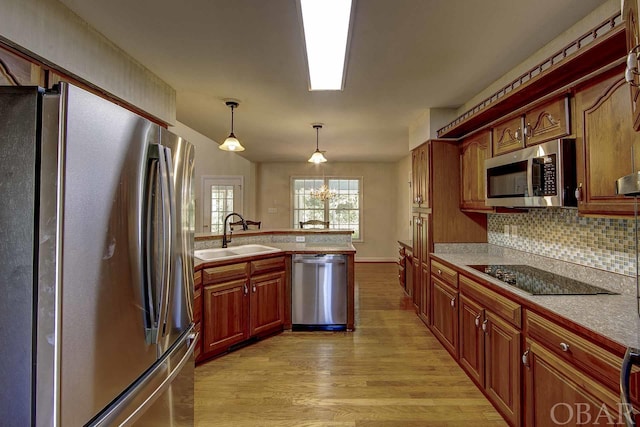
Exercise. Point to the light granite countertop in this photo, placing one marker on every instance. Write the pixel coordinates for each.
(612, 316)
(299, 248)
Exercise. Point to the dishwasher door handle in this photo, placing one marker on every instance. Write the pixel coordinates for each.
(318, 261)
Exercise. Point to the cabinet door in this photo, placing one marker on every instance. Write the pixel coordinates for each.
(424, 175)
(630, 16)
(558, 394)
(547, 121)
(425, 293)
(471, 346)
(415, 174)
(225, 316)
(267, 302)
(502, 352)
(474, 151)
(408, 274)
(445, 315)
(605, 143)
(508, 136)
(197, 319)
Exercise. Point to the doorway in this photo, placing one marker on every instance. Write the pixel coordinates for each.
(221, 195)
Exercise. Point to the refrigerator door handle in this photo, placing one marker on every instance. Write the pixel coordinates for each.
(631, 357)
(165, 188)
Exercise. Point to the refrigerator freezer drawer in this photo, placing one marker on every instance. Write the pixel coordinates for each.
(163, 396)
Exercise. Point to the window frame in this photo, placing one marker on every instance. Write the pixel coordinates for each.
(325, 180)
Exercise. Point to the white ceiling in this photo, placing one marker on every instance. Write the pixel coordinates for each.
(405, 56)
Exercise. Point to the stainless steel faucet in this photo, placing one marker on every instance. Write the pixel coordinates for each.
(226, 240)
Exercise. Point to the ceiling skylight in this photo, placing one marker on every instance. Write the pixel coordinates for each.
(326, 34)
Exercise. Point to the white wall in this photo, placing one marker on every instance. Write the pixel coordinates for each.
(425, 126)
(210, 160)
(380, 201)
(47, 30)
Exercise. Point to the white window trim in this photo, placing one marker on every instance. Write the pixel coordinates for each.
(327, 177)
(204, 204)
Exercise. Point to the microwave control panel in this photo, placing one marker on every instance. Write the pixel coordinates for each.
(544, 176)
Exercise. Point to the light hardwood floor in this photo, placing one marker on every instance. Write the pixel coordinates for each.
(390, 372)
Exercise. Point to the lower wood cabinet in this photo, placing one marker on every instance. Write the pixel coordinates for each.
(444, 321)
(557, 393)
(241, 301)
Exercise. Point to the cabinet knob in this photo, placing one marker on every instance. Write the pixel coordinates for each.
(246, 289)
(254, 288)
(484, 325)
(525, 358)
(440, 272)
(564, 346)
(518, 134)
(477, 320)
(578, 192)
(453, 302)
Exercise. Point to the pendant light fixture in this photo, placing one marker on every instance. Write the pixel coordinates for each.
(231, 143)
(318, 156)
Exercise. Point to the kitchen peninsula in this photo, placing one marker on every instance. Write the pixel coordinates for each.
(243, 298)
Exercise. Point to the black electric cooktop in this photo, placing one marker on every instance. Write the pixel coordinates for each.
(539, 282)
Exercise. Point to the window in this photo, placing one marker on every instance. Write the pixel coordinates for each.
(221, 196)
(343, 210)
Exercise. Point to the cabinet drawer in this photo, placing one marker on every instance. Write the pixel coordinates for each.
(502, 306)
(224, 273)
(268, 264)
(197, 278)
(444, 273)
(197, 305)
(587, 356)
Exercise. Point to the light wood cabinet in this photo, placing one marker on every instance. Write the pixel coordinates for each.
(444, 323)
(15, 70)
(226, 309)
(471, 345)
(473, 152)
(508, 136)
(489, 346)
(266, 303)
(607, 146)
(502, 381)
(630, 16)
(420, 176)
(241, 301)
(559, 394)
(547, 121)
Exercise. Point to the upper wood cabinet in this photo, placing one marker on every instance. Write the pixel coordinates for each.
(547, 121)
(473, 152)
(420, 176)
(508, 135)
(630, 16)
(607, 147)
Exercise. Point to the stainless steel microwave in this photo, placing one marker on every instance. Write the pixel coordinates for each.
(539, 176)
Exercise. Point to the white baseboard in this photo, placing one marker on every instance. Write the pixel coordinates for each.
(375, 259)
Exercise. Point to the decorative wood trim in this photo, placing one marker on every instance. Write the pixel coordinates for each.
(588, 53)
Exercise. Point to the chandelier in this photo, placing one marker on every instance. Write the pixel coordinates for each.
(323, 193)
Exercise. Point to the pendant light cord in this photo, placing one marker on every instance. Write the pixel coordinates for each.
(232, 118)
(317, 132)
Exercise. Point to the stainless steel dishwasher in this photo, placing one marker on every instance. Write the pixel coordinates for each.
(319, 292)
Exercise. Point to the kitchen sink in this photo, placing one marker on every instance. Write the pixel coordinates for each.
(233, 252)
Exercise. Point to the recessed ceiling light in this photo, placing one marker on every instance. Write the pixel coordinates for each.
(326, 34)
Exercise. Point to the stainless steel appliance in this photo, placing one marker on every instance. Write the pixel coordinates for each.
(629, 185)
(539, 282)
(97, 272)
(319, 292)
(538, 176)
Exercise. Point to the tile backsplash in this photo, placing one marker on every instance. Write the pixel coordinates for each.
(603, 243)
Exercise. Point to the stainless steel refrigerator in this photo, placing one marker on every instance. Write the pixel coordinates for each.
(96, 264)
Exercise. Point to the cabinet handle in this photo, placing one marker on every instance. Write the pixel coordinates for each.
(477, 320)
(632, 67)
(254, 288)
(439, 272)
(517, 134)
(484, 325)
(453, 302)
(564, 346)
(528, 131)
(246, 289)
(525, 358)
(578, 192)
